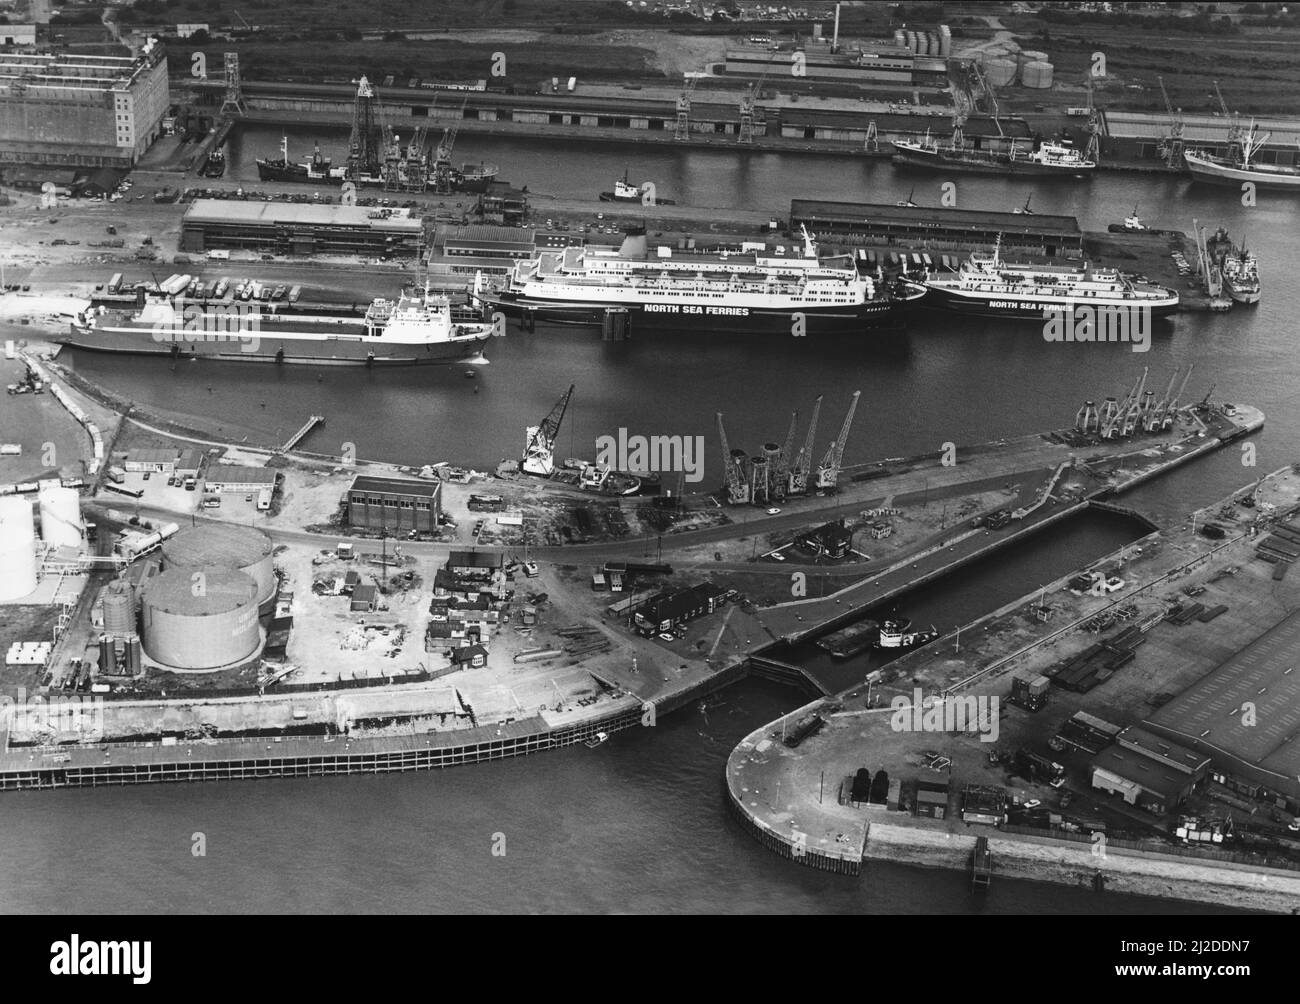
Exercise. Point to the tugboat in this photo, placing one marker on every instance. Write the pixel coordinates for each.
(1131, 225)
(596, 740)
(625, 192)
(215, 165)
(317, 171)
(896, 633)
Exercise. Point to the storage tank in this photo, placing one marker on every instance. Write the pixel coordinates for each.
(911, 40)
(202, 623)
(1000, 72)
(945, 40)
(1037, 75)
(933, 43)
(1033, 56)
(60, 516)
(900, 38)
(239, 548)
(17, 548)
(119, 608)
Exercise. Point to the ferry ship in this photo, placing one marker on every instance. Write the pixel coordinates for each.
(985, 284)
(761, 292)
(1051, 159)
(411, 330)
(1240, 166)
(1238, 268)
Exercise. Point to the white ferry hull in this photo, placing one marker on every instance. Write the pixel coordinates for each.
(1032, 308)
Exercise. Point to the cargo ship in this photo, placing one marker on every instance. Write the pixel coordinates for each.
(215, 165)
(849, 641)
(316, 171)
(1238, 268)
(1052, 159)
(475, 178)
(743, 292)
(411, 330)
(986, 285)
(624, 192)
(1239, 166)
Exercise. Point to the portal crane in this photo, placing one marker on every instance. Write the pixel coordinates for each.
(1092, 151)
(801, 468)
(781, 477)
(1171, 147)
(1155, 419)
(1114, 420)
(1171, 415)
(539, 451)
(683, 128)
(1234, 123)
(1133, 411)
(748, 100)
(828, 471)
(737, 486)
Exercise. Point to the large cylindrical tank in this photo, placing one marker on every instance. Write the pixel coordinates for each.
(60, 516)
(200, 618)
(17, 548)
(911, 40)
(119, 608)
(1033, 56)
(1037, 75)
(922, 44)
(945, 40)
(239, 548)
(1000, 72)
(932, 43)
(900, 38)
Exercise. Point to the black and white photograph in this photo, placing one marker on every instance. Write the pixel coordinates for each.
(652, 458)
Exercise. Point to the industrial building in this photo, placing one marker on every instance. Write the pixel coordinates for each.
(483, 564)
(466, 250)
(673, 608)
(879, 66)
(1258, 752)
(830, 540)
(234, 478)
(68, 109)
(937, 229)
(291, 228)
(187, 628)
(153, 460)
(1148, 771)
(394, 505)
(1141, 137)
(17, 34)
(223, 545)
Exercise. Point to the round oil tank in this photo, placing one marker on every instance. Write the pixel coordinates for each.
(240, 548)
(1033, 56)
(1000, 72)
(17, 548)
(911, 40)
(119, 608)
(900, 37)
(60, 516)
(1037, 75)
(200, 618)
(933, 41)
(945, 40)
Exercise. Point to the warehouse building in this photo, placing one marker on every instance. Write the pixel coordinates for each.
(475, 564)
(1257, 748)
(17, 34)
(467, 250)
(1148, 771)
(936, 229)
(156, 461)
(830, 540)
(69, 109)
(233, 478)
(676, 607)
(293, 228)
(394, 504)
(1138, 137)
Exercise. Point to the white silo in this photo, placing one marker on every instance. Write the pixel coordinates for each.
(1000, 72)
(61, 524)
(1038, 75)
(119, 608)
(900, 38)
(933, 41)
(911, 40)
(17, 548)
(945, 40)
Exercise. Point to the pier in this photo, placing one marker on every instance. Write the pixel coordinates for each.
(301, 434)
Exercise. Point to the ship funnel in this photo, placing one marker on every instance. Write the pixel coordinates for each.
(634, 243)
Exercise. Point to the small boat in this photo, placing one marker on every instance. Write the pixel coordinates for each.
(626, 192)
(596, 740)
(896, 633)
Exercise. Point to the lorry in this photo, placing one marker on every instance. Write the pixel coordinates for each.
(117, 475)
(264, 499)
(1034, 767)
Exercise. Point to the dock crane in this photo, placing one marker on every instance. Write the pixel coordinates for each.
(1132, 412)
(444, 175)
(748, 99)
(1092, 151)
(799, 470)
(828, 471)
(1113, 421)
(737, 485)
(1154, 420)
(1204, 404)
(539, 452)
(1235, 130)
(1171, 415)
(1171, 147)
(682, 130)
(781, 477)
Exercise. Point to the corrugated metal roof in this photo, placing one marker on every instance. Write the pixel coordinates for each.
(395, 486)
(290, 214)
(1197, 128)
(875, 213)
(234, 474)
